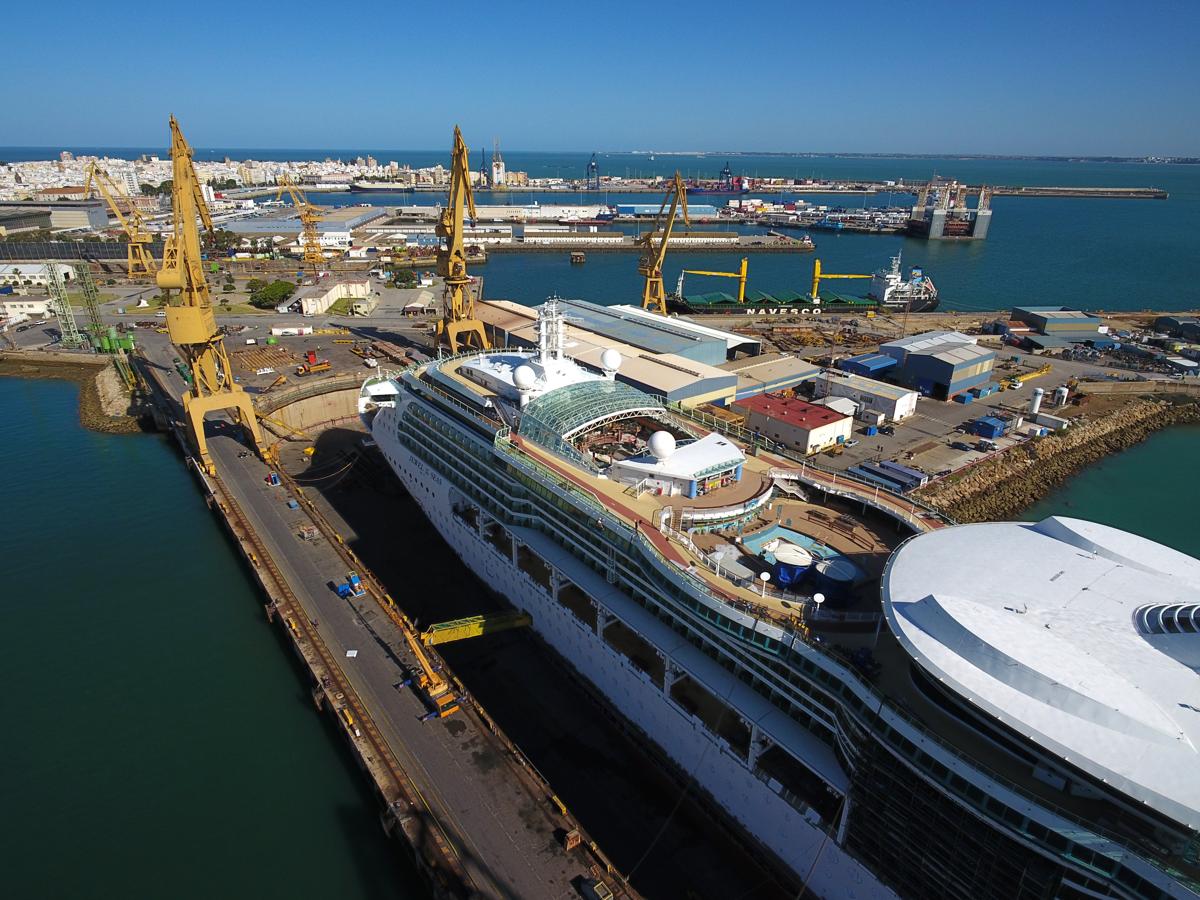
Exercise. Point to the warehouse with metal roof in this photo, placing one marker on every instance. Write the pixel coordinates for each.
(939, 364)
(664, 374)
(769, 372)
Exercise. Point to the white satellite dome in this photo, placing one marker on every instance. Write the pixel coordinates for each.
(611, 360)
(662, 444)
(524, 378)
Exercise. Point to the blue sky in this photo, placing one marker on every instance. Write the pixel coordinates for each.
(1004, 76)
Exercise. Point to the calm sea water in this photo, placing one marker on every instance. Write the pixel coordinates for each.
(1098, 254)
(157, 738)
(1148, 489)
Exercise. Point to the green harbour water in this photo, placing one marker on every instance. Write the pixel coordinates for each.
(1149, 489)
(159, 741)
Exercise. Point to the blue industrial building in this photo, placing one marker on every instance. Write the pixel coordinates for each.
(989, 427)
(939, 364)
(869, 365)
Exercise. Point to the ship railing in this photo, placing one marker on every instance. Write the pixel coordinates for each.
(636, 490)
(862, 489)
(1147, 850)
(438, 395)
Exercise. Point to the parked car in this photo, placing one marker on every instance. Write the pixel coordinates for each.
(853, 442)
(961, 445)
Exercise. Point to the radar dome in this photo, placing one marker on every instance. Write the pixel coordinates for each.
(524, 378)
(610, 359)
(662, 444)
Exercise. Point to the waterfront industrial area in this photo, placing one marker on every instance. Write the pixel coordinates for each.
(704, 526)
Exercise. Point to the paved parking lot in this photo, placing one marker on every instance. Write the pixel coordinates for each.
(929, 433)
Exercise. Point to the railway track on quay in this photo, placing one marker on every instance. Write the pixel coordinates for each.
(404, 806)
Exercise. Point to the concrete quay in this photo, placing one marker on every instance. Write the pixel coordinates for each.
(478, 822)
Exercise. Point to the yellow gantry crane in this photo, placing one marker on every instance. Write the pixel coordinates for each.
(140, 261)
(740, 275)
(190, 319)
(819, 276)
(310, 240)
(458, 328)
(650, 265)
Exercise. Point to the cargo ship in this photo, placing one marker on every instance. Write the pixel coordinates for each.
(889, 292)
(975, 753)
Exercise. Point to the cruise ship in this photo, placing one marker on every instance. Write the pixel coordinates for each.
(993, 712)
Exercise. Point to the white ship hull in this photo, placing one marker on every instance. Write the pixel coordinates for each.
(725, 776)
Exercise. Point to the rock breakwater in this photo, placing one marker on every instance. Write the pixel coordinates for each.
(103, 403)
(1004, 485)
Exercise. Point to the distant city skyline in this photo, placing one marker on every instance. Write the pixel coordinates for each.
(1018, 79)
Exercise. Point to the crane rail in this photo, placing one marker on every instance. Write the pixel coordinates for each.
(402, 795)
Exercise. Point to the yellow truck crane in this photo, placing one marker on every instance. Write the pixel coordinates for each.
(190, 319)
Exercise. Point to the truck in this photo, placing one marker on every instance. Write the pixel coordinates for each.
(312, 368)
(351, 587)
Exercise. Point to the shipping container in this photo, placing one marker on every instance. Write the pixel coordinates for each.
(988, 427)
(907, 471)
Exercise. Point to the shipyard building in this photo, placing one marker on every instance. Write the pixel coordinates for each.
(673, 359)
(939, 364)
(893, 402)
(804, 427)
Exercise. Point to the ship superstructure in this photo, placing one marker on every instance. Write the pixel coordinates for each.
(891, 291)
(637, 538)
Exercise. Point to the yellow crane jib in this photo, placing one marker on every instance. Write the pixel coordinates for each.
(458, 328)
(474, 626)
(310, 240)
(740, 275)
(190, 320)
(139, 260)
(819, 276)
(654, 252)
